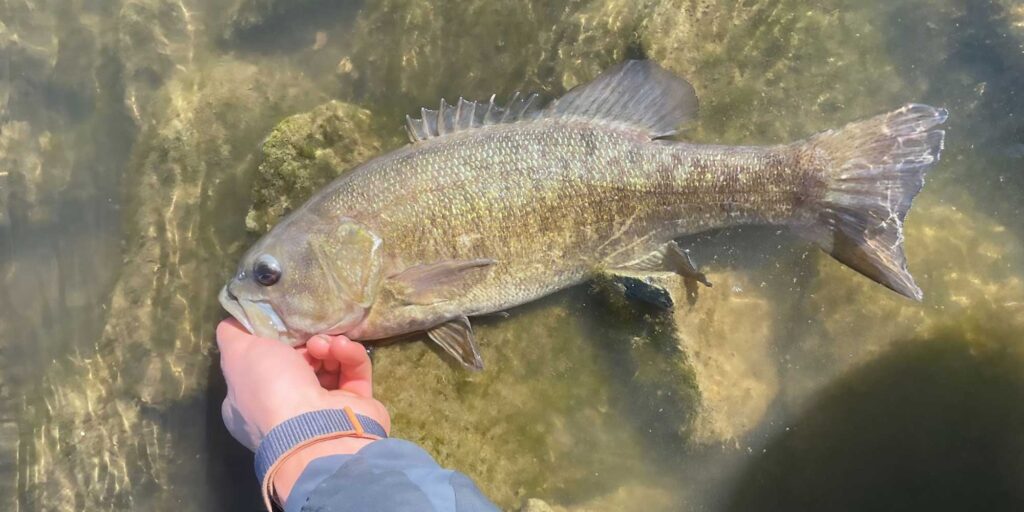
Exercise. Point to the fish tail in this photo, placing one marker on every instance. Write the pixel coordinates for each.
(872, 170)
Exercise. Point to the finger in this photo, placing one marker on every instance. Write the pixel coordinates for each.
(318, 347)
(313, 362)
(328, 380)
(232, 340)
(331, 364)
(355, 366)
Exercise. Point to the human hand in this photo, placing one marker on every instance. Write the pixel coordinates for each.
(270, 382)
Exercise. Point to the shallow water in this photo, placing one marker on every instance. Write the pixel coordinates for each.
(132, 177)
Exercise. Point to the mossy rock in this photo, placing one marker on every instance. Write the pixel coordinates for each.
(306, 151)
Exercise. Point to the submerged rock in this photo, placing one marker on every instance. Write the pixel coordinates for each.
(629, 497)
(751, 62)
(719, 375)
(103, 428)
(755, 62)
(156, 40)
(53, 84)
(536, 505)
(726, 337)
(425, 50)
(34, 172)
(1015, 15)
(305, 152)
(275, 26)
(246, 15)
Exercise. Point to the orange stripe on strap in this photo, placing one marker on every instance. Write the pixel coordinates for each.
(356, 424)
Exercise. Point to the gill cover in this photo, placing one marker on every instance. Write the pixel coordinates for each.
(352, 259)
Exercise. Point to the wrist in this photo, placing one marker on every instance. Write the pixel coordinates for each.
(297, 441)
(291, 469)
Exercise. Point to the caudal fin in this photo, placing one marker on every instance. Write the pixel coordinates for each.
(873, 169)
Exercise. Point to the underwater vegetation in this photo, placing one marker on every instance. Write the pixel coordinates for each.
(144, 143)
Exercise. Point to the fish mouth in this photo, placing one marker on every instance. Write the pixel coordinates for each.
(257, 317)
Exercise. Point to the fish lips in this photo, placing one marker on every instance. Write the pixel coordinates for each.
(257, 317)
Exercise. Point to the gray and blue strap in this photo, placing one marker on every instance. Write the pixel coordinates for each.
(307, 427)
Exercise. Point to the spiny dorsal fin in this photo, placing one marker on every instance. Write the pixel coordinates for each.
(466, 115)
(637, 95)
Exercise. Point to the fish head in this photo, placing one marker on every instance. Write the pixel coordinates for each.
(305, 277)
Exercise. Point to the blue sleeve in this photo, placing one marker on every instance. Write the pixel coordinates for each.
(390, 474)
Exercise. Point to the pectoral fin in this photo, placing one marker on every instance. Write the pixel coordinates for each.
(437, 282)
(456, 338)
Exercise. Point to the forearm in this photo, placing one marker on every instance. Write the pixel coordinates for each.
(291, 469)
(388, 474)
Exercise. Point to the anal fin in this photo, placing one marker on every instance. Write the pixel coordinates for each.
(456, 338)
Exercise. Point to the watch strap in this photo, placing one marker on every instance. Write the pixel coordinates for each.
(305, 429)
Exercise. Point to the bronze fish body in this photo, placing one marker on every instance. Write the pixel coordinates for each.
(489, 208)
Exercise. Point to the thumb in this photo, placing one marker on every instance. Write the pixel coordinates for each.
(232, 340)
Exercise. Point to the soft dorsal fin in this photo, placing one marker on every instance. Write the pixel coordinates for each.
(637, 94)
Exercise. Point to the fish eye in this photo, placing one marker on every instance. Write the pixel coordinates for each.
(266, 270)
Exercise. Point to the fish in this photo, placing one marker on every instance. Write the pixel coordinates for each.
(493, 206)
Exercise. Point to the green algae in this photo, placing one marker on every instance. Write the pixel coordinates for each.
(755, 62)
(305, 152)
(248, 16)
(429, 50)
(547, 417)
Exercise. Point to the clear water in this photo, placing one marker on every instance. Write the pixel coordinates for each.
(130, 161)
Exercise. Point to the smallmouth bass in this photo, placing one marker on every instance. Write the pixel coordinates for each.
(492, 207)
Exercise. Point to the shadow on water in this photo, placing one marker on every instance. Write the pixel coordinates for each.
(932, 425)
(642, 357)
(230, 464)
